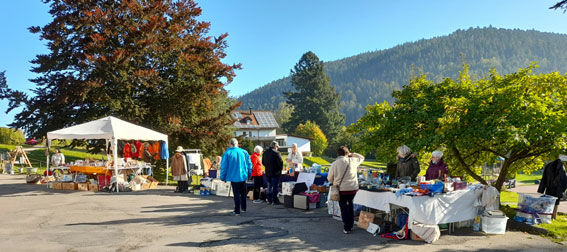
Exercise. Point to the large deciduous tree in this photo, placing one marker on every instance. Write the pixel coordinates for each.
(314, 99)
(520, 117)
(312, 131)
(148, 62)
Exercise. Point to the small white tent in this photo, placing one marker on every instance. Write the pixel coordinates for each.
(111, 129)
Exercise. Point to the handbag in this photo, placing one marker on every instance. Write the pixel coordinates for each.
(335, 196)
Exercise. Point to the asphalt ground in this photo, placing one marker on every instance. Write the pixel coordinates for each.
(34, 218)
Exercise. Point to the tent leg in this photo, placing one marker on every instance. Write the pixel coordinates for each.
(167, 171)
(115, 155)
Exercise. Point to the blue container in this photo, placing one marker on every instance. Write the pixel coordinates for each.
(436, 188)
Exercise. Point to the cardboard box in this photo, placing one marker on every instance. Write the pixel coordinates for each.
(93, 187)
(151, 183)
(57, 186)
(301, 202)
(365, 219)
(69, 186)
(82, 186)
(414, 237)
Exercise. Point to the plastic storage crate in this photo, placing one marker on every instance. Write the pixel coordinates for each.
(536, 203)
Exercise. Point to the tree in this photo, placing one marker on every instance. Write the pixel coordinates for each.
(283, 114)
(560, 5)
(148, 62)
(247, 145)
(314, 99)
(520, 117)
(344, 138)
(11, 136)
(312, 131)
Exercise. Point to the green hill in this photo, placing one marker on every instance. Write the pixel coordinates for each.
(370, 77)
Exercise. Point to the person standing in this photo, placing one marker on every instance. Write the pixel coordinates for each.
(236, 167)
(179, 171)
(437, 168)
(272, 161)
(257, 173)
(57, 159)
(408, 166)
(294, 159)
(343, 172)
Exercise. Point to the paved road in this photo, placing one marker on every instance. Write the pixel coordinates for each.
(37, 219)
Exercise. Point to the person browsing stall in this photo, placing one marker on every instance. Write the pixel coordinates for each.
(408, 166)
(272, 160)
(236, 168)
(179, 171)
(343, 172)
(294, 159)
(437, 168)
(257, 173)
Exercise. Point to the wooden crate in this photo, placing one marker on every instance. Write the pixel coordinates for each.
(57, 186)
(69, 186)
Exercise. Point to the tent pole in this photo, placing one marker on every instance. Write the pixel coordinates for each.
(115, 156)
(47, 164)
(167, 167)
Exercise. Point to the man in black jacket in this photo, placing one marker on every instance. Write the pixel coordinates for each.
(272, 160)
(554, 181)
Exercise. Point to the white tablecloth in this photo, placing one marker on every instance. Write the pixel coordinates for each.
(440, 209)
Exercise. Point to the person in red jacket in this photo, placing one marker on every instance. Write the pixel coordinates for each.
(257, 173)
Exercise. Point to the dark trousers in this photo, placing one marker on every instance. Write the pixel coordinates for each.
(239, 191)
(258, 182)
(347, 211)
(272, 194)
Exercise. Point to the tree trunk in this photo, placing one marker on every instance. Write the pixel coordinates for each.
(503, 174)
(467, 168)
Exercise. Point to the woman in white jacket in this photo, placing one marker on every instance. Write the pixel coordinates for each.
(344, 172)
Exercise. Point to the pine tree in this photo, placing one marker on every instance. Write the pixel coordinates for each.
(314, 98)
(148, 62)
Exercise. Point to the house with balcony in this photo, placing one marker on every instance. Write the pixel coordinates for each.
(260, 127)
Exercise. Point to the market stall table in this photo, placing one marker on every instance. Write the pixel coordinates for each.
(440, 209)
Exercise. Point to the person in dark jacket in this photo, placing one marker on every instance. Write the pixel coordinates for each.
(554, 181)
(437, 168)
(273, 163)
(408, 166)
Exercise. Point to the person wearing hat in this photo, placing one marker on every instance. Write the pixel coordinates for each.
(179, 171)
(236, 167)
(272, 160)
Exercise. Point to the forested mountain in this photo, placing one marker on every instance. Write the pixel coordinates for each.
(370, 77)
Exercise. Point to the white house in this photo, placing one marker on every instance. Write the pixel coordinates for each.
(260, 127)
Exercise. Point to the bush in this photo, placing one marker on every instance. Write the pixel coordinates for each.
(11, 136)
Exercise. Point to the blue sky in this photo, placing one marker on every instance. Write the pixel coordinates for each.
(269, 37)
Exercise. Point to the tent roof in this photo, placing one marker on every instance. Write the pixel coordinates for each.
(107, 128)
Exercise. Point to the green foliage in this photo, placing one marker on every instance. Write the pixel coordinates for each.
(11, 136)
(309, 161)
(314, 99)
(520, 117)
(283, 115)
(148, 62)
(311, 130)
(344, 138)
(247, 145)
(371, 77)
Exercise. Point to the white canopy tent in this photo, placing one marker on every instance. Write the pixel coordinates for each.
(111, 129)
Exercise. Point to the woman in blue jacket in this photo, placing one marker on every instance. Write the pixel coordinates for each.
(236, 167)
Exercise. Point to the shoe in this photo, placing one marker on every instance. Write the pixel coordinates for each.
(277, 203)
(243, 210)
(347, 231)
(257, 201)
(235, 214)
(269, 203)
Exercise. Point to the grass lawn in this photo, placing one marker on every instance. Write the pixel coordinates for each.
(309, 161)
(527, 179)
(38, 160)
(558, 228)
(509, 198)
(374, 164)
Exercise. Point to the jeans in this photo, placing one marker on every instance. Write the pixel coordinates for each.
(347, 211)
(239, 191)
(272, 194)
(258, 182)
